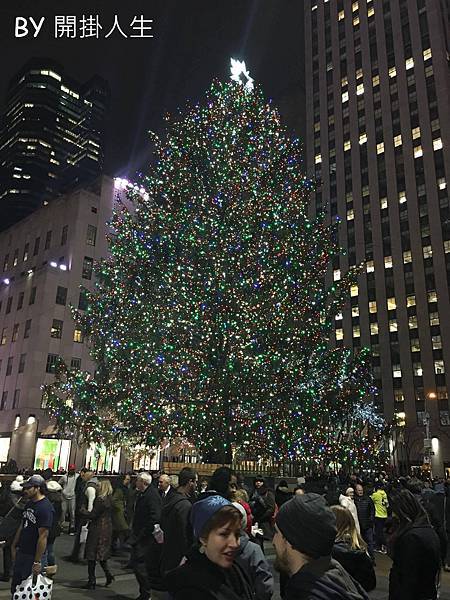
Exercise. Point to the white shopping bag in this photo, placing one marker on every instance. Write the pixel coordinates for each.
(40, 590)
(84, 534)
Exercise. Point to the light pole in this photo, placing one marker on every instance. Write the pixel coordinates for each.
(427, 440)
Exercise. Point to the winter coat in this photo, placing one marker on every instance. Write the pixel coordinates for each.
(357, 563)
(201, 579)
(248, 512)
(323, 579)
(178, 536)
(348, 503)
(99, 539)
(251, 558)
(282, 495)
(366, 512)
(416, 563)
(147, 512)
(12, 519)
(119, 505)
(54, 494)
(263, 508)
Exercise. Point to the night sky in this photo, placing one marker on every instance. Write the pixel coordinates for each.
(192, 44)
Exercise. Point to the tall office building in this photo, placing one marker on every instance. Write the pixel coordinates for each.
(52, 137)
(378, 133)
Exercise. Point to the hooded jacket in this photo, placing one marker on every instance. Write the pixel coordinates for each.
(323, 579)
(251, 558)
(177, 530)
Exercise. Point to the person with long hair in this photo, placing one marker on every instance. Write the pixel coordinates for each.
(414, 548)
(351, 550)
(210, 571)
(99, 539)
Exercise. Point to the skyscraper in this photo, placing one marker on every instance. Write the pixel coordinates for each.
(52, 137)
(378, 134)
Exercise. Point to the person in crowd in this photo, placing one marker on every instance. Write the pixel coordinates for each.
(119, 508)
(165, 487)
(351, 550)
(55, 497)
(12, 504)
(381, 503)
(415, 550)
(210, 571)
(262, 503)
(203, 486)
(99, 538)
(68, 484)
(348, 502)
(29, 546)
(299, 490)
(366, 517)
(282, 493)
(146, 551)
(254, 563)
(241, 496)
(84, 500)
(241, 485)
(223, 482)
(175, 523)
(187, 483)
(331, 493)
(305, 531)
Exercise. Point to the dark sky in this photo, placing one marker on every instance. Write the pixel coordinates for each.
(193, 42)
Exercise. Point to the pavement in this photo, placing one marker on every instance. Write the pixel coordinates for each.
(71, 576)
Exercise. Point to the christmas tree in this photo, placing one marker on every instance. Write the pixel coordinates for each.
(211, 319)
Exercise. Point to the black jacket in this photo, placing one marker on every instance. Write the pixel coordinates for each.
(200, 579)
(282, 495)
(323, 579)
(357, 563)
(366, 511)
(177, 530)
(416, 563)
(147, 512)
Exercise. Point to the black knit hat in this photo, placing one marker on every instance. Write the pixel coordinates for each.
(308, 524)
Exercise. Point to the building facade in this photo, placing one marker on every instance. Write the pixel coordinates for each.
(44, 261)
(378, 129)
(52, 137)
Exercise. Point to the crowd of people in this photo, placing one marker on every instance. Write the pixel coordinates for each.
(208, 540)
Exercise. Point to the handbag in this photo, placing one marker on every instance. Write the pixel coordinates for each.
(83, 534)
(38, 589)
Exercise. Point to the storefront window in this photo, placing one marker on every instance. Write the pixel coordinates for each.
(4, 449)
(52, 453)
(98, 458)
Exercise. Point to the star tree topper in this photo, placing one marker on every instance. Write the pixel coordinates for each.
(240, 74)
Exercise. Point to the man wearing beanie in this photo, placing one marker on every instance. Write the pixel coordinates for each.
(305, 529)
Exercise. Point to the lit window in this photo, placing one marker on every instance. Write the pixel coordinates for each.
(380, 148)
(370, 11)
(339, 334)
(356, 21)
(417, 369)
(355, 6)
(373, 328)
(409, 63)
(411, 300)
(396, 371)
(439, 367)
(436, 341)
(354, 290)
(350, 214)
(360, 89)
(392, 72)
(338, 317)
(447, 246)
(398, 140)
(317, 126)
(437, 144)
(434, 318)
(391, 304)
(356, 331)
(427, 251)
(415, 133)
(388, 262)
(365, 191)
(78, 336)
(372, 306)
(344, 97)
(336, 275)
(407, 256)
(362, 139)
(418, 152)
(393, 325)
(427, 54)
(355, 311)
(341, 15)
(359, 73)
(318, 158)
(442, 184)
(347, 145)
(344, 81)
(415, 345)
(383, 203)
(370, 266)
(402, 197)
(412, 322)
(429, 71)
(375, 80)
(314, 7)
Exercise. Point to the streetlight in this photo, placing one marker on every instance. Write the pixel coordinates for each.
(427, 443)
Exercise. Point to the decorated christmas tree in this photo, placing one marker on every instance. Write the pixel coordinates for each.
(211, 319)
